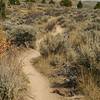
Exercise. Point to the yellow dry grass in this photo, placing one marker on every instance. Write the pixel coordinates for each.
(3, 42)
(2, 37)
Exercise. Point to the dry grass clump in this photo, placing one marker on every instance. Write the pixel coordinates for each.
(50, 67)
(2, 37)
(13, 82)
(88, 86)
(84, 50)
(52, 45)
(3, 42)
(86, 47)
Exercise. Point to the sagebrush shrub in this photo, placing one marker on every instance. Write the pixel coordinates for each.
(23, 39)
(22, 36)
(13, 82)
(66, 3)
(86, 47)
(52, 44)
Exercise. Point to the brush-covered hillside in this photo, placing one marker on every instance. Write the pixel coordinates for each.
(60, 41)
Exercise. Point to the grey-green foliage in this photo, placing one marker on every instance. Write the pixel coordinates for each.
(52, 45)
(22, 35)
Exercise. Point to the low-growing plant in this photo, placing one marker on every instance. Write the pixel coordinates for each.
(51, 2)
(22, 36)
(13, 82)
(66, 3)
(52, 45)
(23, 39)
(88, 85)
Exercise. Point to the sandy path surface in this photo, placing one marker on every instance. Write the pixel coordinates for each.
(39, 85)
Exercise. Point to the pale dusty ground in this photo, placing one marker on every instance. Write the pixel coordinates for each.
(39, 85)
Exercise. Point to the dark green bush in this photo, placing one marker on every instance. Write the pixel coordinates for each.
(29, 0)
(2, 9)
(14, 2)
(66, 3)
(22, 35)
(97, 6)
(51, 2)
(23, 39)
(17, 2)
(43, 1)
(79, 5)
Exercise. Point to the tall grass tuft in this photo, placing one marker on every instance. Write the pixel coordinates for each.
(13, 82)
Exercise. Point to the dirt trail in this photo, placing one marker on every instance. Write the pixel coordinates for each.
(39, 85)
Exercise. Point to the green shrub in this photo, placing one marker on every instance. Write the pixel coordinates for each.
(2, 9)
(79, 5)
(97, 6)
(43, 1)
(17, 2)
(23, 39)
(85, 47)
(22, 35)
(14, 2)
(52, 45)
(66, 3)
